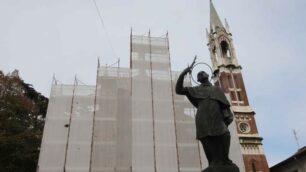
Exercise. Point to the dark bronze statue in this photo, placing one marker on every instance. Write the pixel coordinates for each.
(212, 119)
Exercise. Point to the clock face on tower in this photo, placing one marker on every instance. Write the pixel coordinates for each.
(244, 127)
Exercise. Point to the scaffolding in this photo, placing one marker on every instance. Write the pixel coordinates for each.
(130, 121)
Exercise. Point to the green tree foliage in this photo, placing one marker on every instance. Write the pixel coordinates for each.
(22, 114)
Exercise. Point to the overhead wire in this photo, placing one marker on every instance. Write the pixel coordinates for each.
(106, 32)
(117, 62)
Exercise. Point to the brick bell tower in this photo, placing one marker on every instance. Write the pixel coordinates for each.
(227, 75)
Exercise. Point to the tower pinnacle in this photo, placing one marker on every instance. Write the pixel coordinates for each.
(214, 17)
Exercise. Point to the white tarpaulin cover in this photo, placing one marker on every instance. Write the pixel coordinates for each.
(131, 121)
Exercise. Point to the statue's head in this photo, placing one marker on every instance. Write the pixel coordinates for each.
(202, 76)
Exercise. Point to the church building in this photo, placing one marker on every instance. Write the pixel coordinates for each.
(227, 75)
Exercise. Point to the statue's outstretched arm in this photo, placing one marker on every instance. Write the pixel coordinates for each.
(179, 88)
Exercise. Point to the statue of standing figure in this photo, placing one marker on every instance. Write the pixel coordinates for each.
(212, 119)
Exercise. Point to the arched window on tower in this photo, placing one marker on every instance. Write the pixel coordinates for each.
(225, 49)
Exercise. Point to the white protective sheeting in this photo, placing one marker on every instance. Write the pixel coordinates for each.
(55, 137)
(188, 147)
(143, 147)
(66, 143)
(163, 122)
(164, 126)
(80, 133)
(104, 136)
(131, 121)
(111, 150)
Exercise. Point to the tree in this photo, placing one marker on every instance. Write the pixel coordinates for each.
(22, 114)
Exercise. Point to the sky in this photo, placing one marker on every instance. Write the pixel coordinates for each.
(42, 38)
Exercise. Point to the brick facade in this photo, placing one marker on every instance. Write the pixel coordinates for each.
(231, 81)
(255, 163)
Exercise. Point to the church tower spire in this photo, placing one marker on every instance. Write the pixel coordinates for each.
(220, 43)
(227, 75)
(214, 18)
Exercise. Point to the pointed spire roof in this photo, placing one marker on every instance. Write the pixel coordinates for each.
(214, 17)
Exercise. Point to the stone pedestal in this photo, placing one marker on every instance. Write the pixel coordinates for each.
(222, 168)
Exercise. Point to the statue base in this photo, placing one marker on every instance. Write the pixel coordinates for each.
(222, 168)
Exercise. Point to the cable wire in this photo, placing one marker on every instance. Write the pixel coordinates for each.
(102, 22)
